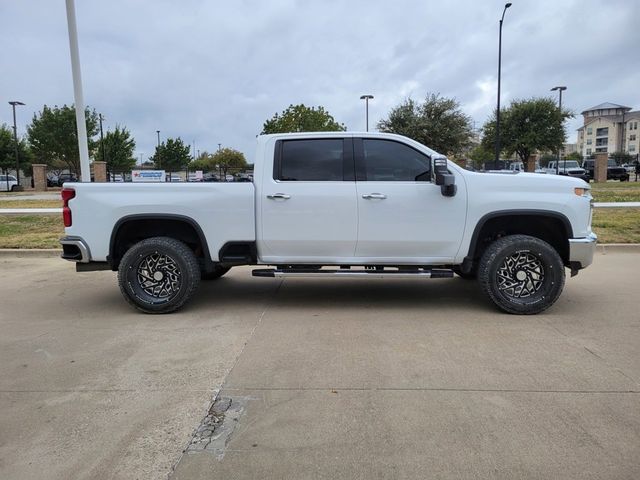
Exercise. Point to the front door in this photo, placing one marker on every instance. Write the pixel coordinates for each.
(403, 216)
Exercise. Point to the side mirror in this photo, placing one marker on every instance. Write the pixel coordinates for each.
(446, 180)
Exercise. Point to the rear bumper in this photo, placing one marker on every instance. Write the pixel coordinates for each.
(581, 250)
(75, 249)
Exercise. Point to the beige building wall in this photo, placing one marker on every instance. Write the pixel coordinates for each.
(604, 131)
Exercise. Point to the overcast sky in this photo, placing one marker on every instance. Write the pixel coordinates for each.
(214, 71)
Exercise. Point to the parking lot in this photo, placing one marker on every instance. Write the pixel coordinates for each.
(318, 379)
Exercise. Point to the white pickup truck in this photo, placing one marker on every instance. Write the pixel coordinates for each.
(336, 205)
(570, 168)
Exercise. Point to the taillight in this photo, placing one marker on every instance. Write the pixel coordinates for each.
(67, 194)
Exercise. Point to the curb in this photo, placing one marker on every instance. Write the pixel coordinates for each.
(603, 248)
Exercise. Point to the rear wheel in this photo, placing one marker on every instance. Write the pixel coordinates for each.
(521, 274)
(158, 275)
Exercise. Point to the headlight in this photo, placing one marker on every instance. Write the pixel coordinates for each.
(581, 191)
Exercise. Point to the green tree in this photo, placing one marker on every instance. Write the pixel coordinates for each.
(118, 150)
(53, 136)
(8, 151)
(621, 157)
(300, 118)
(438, 123)
(527, 126)
(227, 159)
(172, 155)
(479, 156)
(574, 156)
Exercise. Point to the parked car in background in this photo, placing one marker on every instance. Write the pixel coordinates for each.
(8, 183)
(570, 168)
(59, 180)
(614, 172)
(519, 167)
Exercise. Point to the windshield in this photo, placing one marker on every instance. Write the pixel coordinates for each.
(569, 164)
(612, 163)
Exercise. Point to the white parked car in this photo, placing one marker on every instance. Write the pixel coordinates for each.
(337, 204)
(7, 183)
(519, 167)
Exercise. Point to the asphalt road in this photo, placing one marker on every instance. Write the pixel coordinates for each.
(318, 379)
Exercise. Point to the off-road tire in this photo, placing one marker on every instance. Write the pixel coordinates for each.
(158, 275)
(521, 274)
(217, 272)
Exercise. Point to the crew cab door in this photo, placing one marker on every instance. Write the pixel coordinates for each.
(403, 215)
(308, 202)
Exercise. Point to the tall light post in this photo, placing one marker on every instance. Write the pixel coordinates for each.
(366, 99)
(507, 5)
(104, 157)
(81, 122)
(15, 141)
(560, 90)
(158, 150)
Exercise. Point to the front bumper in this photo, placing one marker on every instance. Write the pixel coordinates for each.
(581, 251)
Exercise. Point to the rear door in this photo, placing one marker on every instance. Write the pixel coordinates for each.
(309, 207)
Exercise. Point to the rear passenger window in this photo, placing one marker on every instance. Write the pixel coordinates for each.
(389, 161)
(311, 160)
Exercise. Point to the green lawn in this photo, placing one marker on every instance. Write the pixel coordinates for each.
(616, 191)
(613, 225)
(30, 231)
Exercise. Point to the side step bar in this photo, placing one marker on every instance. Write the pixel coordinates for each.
(368, 273)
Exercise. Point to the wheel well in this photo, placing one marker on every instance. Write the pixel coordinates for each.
(552, 229)
(131, 230)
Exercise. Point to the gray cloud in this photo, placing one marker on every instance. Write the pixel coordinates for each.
(214, 71)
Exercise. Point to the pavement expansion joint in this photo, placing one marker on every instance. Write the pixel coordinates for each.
(422, 389)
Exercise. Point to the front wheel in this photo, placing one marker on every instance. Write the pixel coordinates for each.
(521, 274)
(158, 275)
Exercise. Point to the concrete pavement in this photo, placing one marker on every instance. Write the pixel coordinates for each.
(319, 379)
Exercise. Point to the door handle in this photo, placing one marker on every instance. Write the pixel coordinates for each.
(275, 196)
(377, 196)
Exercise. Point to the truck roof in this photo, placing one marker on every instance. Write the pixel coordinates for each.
(263, 139)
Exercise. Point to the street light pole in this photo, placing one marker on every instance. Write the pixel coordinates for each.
(158, 150)
(560, 90)
(507, 5)
(81, 122)
(15, 140)
(366, 99)
(104, 157)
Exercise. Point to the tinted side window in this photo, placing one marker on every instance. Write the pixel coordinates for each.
(311, 160)
(389, 161)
